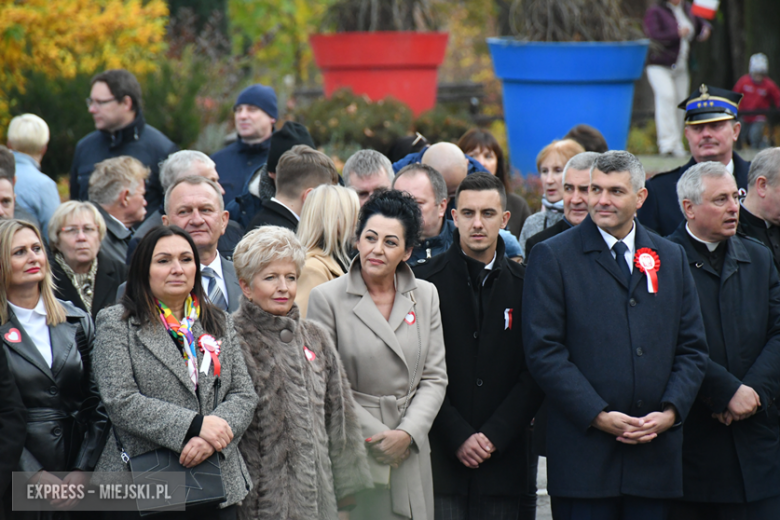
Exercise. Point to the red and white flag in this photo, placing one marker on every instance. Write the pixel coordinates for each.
(705, 8)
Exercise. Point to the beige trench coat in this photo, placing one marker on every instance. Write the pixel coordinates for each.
(381, 357)
(318, 269)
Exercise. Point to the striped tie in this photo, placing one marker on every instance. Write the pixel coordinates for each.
(214, 292)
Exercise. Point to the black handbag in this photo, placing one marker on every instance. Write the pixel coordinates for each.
(202, 484)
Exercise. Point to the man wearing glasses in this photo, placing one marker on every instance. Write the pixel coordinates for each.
(115, 105)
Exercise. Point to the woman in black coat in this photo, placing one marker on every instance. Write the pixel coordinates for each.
(83, 274)
(48, 344)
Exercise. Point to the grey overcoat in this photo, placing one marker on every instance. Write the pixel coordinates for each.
(151, 400)
(380, 357)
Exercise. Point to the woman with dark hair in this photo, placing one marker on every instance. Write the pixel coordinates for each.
(387, 329)
(170, 369)
(48, 347)
(483, 146)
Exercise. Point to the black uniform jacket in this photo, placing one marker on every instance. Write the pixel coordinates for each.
(110, 274)
(661, 211)
(273, 214)
(490, 389)
(741, 310)
(67, 424)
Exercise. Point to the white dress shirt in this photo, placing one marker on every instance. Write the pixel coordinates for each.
(629, 241)
(216, 265)
(34, 323)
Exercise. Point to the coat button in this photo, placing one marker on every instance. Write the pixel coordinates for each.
(479, 382)
(632, 302)
(57, 431)
(639, 351)
(476, 335)
(286, 335)
(639, 404)
(53, 390)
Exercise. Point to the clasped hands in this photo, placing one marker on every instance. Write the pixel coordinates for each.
(475, 450)
(215, 435)
(743, 404)
(635, 430)
(390, 447)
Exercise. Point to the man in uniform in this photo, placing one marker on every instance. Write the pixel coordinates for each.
(711, 128)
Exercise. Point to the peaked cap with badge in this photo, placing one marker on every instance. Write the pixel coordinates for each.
(710, 104)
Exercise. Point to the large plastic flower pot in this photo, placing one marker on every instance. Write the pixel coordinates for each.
(400, 64)
(551, 87)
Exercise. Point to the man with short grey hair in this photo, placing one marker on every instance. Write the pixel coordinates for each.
(613, 334)
(732, 425)
(367, 171)
(759, 214)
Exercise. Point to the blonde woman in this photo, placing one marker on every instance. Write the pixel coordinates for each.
(48, 346)
(85, 276)
(327, 233)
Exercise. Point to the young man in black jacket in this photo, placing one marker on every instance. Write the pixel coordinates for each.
(480, 441)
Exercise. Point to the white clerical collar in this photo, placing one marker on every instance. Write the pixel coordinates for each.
(216, 266)
(711, 246)
(629, 239)
(286, 207)
(25, 314)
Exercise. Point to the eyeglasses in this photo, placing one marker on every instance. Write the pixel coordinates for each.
(75, 230)
(99, 102)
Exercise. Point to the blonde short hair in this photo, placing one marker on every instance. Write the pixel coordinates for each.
(328, 221)
(66, 210)
(55, 312)
(114, 175)
(563, 148)
(28, 134)
(264, 245)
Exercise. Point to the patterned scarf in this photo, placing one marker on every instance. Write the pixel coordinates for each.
(84, 283)
(182, 332)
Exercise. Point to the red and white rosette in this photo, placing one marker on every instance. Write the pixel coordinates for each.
(208, 344)
(648, 262)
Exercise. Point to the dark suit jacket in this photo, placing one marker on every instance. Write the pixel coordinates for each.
(117, 237)
(595, 344)
(273, 214)
(109, 275)
(752, 226)
(561, 226)
(741, 310)
(661, 211)
(489, 389)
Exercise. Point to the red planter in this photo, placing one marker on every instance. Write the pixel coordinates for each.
(399, 64)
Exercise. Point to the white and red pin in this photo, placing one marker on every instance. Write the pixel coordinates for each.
(410, 318)
(209, 344)
(311, 356)
(648, 262)
(507, 319)
(13, 336)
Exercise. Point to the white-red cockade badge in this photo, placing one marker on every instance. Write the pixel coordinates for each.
(648, 262)
(208, 344)
(410, 318)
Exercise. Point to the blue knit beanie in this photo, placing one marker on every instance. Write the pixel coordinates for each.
(260, 96)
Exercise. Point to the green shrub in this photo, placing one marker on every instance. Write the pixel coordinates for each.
(443, 123)
(642, 139)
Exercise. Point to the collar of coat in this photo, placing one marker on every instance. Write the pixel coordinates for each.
(255, 148)
(328, 261)
(265, 322)
(131, 132)
(735, 253)
(405, 280)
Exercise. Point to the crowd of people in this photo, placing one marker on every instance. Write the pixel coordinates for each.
(403, 339)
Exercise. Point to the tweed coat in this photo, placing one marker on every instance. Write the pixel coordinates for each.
(304, 448)
(595, 343)
(318, 269)
(741, 311)
(151, 400)
(380, 358)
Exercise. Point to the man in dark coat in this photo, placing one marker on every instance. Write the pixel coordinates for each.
(759, 214)
(619, 351)
(576, 181)
(115, 104)
(711, 128)
(479, 440)
(300, 170)
(731, 436)
(255, 114)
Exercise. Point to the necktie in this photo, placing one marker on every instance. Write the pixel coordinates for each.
(620, 257)
(214, 292)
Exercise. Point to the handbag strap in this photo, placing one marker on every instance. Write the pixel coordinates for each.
(123, 453)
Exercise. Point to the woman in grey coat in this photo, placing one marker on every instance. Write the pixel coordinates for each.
(304, 447)
(155, 379)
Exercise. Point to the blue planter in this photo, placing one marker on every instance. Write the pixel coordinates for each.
(550, 87)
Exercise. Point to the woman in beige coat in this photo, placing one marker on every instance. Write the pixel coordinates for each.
(327, 233)
(387, 328)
